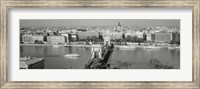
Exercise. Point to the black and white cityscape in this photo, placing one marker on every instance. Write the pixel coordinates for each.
(99, 44)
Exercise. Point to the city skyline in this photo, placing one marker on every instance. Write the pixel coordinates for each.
(100, 22)
(100, 47)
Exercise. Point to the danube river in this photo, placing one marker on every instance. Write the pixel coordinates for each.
(137, 58)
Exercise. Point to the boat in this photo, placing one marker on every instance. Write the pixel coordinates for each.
(126, 47)
(72, 55)
(171, 48)
(174, 47)
(151, 47)
(55, 45)
(178, 47)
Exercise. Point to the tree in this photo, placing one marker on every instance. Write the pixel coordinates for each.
(171, 42)
(128, 38)
(135, 39)
(36, 41)
(88, 38)
(93, 38)
(70, 37)
(123, 36)
(144, 37)
(100, 37)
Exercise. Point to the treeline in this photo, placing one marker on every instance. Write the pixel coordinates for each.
(100, 39)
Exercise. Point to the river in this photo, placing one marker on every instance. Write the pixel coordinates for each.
(133, 59)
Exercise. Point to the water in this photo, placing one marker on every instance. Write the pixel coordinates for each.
(137, 58)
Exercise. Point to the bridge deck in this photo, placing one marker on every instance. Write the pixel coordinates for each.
(97, 62)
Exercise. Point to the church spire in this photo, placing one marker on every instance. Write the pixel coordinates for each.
(119, 24)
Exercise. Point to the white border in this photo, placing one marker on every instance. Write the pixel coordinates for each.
(183, 74)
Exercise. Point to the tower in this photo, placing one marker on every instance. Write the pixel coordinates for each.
(118, 28)
(119, 25)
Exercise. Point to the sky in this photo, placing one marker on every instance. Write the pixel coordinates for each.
(99, 22)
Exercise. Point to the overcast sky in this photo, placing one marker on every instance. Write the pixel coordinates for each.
(100, 22)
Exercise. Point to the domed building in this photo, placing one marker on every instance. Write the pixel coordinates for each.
(118, 28)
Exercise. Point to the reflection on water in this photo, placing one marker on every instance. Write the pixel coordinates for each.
(135, 59)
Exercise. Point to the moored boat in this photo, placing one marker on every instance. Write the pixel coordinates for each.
(126, 47)
(171, 48)
(55, 45)
(151, 47)
(72, 55)
(178, 47)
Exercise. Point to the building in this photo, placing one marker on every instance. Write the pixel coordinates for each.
(27, 39)
(38, 38)
(73, 37)
(20, 38)
(65, 31)
(133, 33)
(162, 37)
(150, 37)
(89, 34)
(81, 30)
(113, 35)
(32, 38)
(139, 34)
(153, 36)
(130, 33)
(175, 37)
(118, 28)
(56, 39)
(106, 40)
(66, 36)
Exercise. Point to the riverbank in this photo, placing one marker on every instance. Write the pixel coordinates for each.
(35, 45)
(117, 46)
(60, 45)
(130, 46)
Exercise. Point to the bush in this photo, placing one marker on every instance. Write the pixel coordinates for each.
(155, 64)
